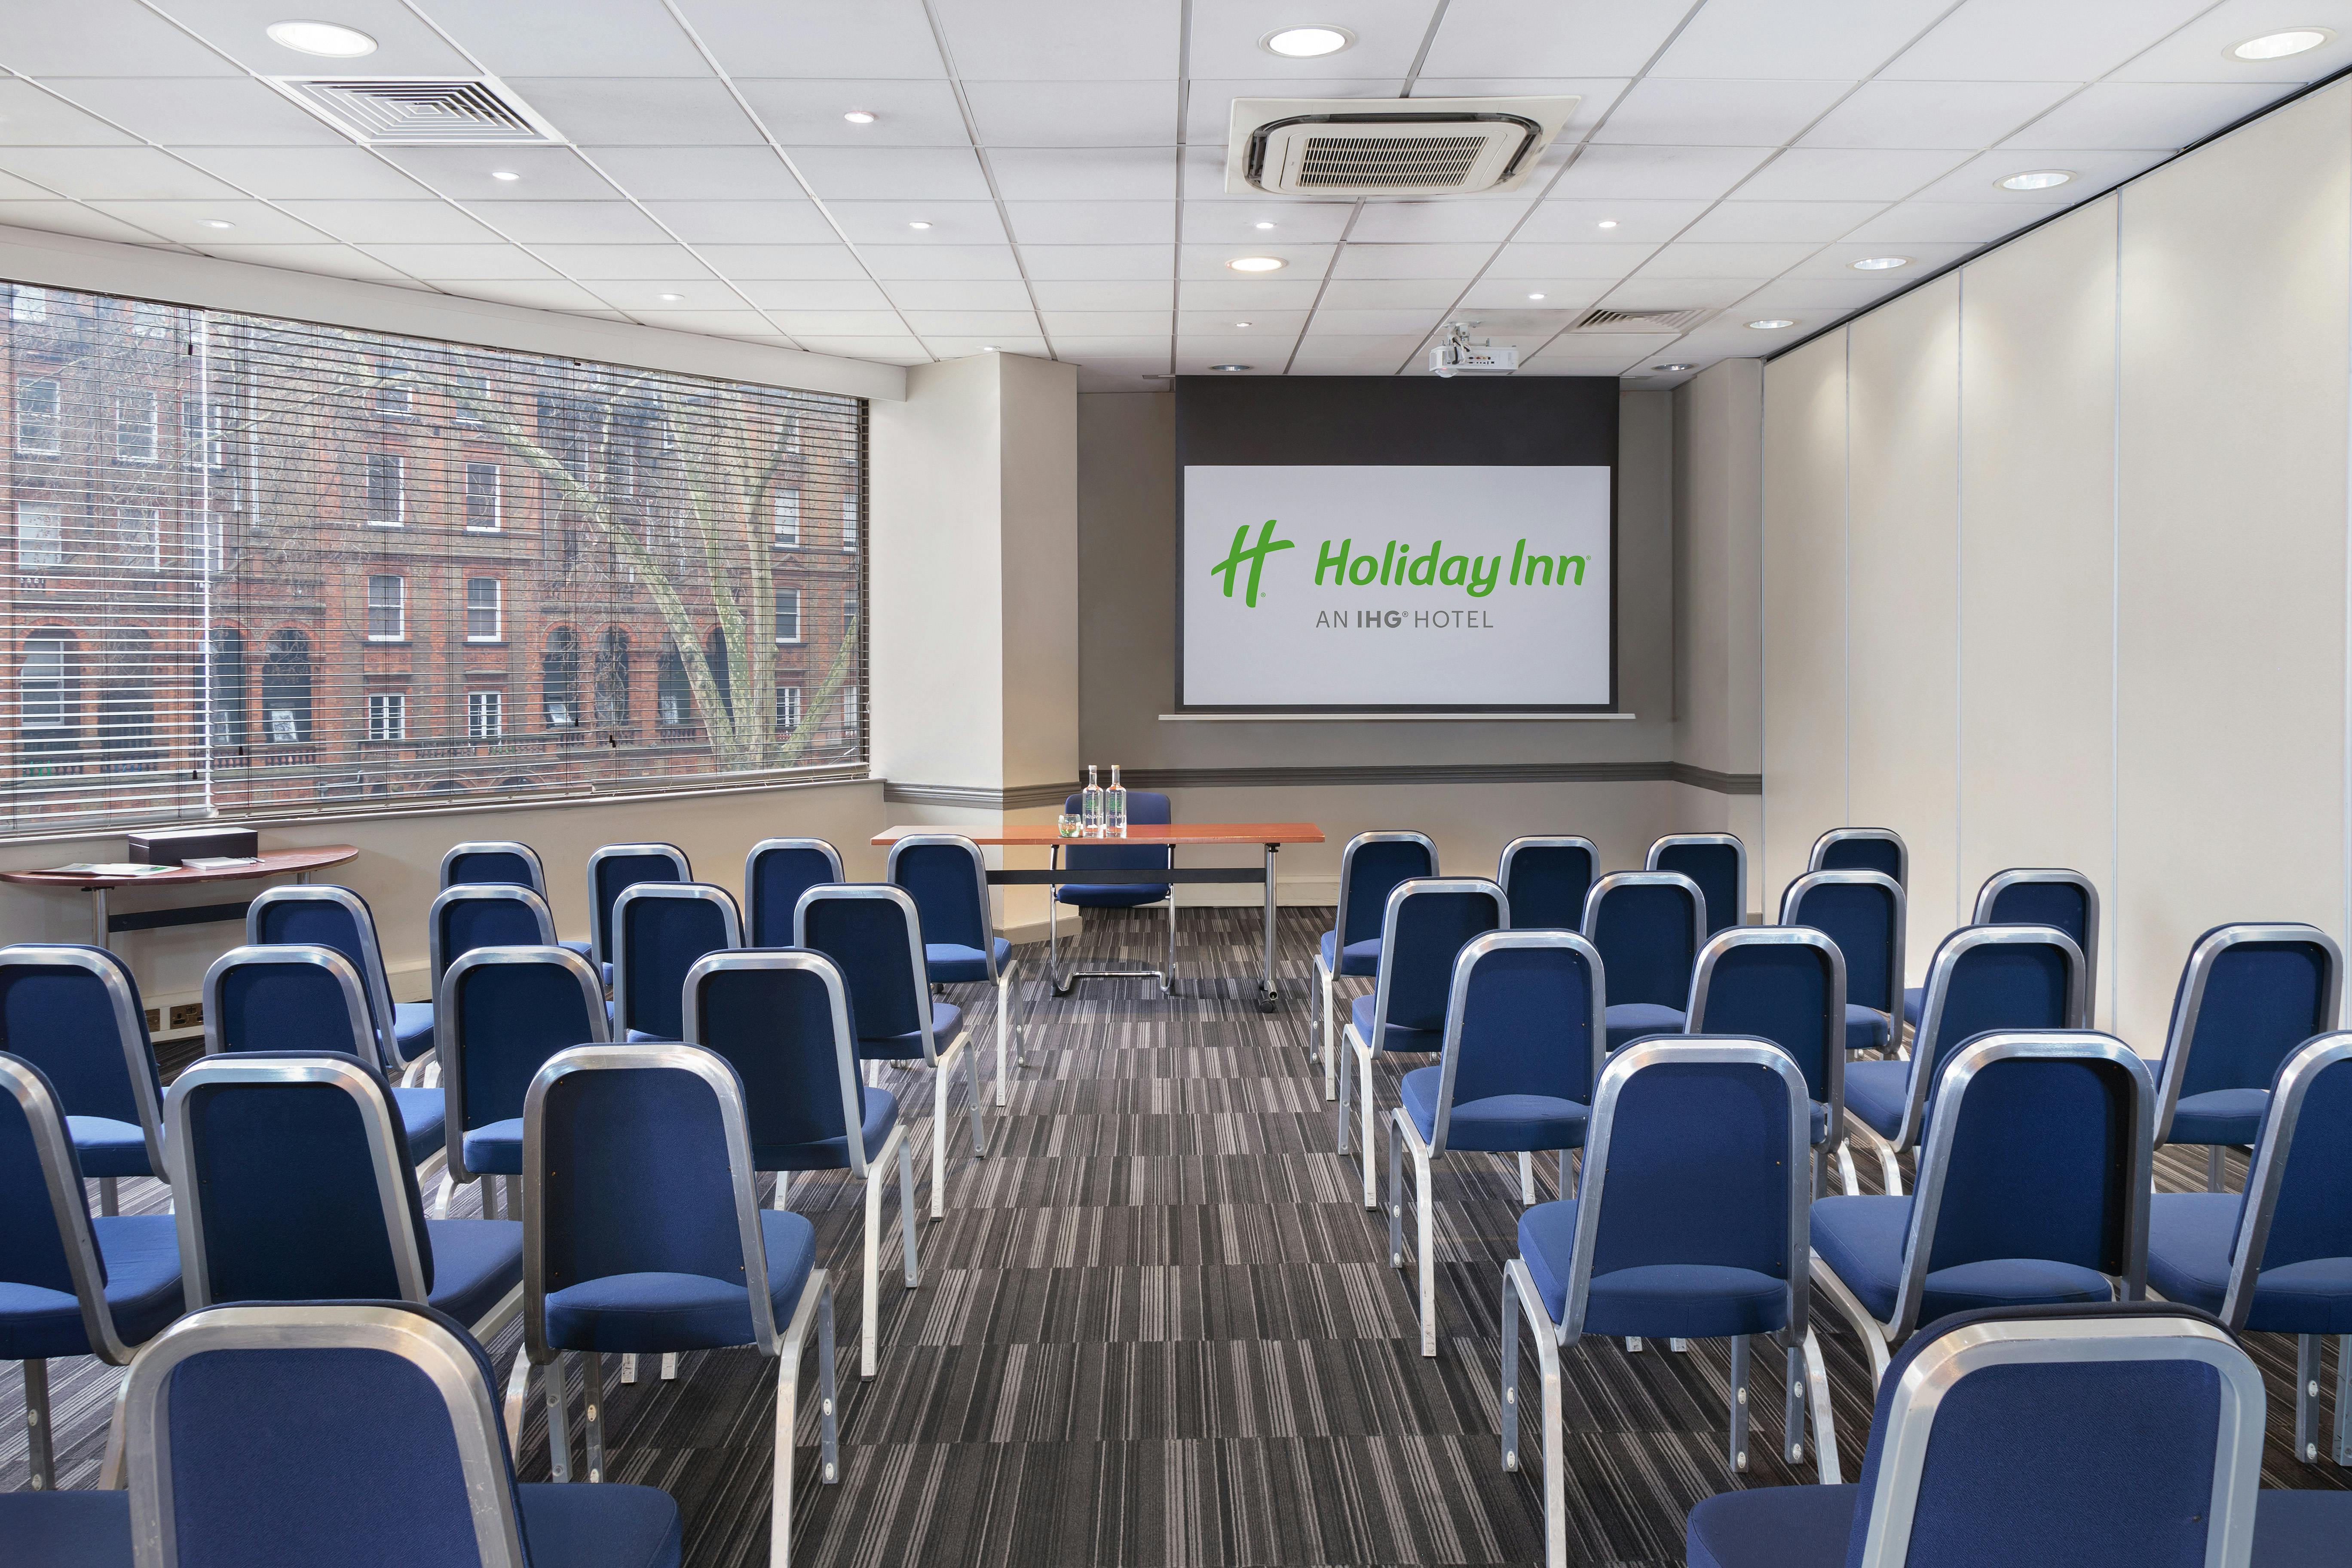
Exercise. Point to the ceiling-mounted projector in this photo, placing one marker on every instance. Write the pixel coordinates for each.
(1387, 147)
(1457, 355)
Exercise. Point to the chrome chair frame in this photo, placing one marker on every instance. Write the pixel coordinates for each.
(1003, 979)
(377, 983)
(1325, 977)
(1061, 983)
(1815, 856)
(471, 893)
(598, 938)
(129, 1027)
(751, 878)
(1545, 841)
(2000, 882)
(1732, 840)
(1732, 938)
(450, 1040)
(364, 1039)
(494, 846)
(1792, 902)
(643, 892)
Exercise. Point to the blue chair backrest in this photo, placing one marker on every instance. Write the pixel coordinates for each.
(946, 886)
(660, 932)
(73, 1012)
(774, 1025)
(1521, 1018)
(342, 922)
(1646, 928)
(2038, 903)
(774, 878)
(508, 916)
(1994, 986)
(1371, 868)
(1782, 985)
(867, 941)
(263, 999)
(1428, 920)
(1865, 921)
(1863, 850)
(505, 1018)
(1145, 808)
(508, 864)
(2259, 1000)
(1718, 863)
(611, 874)
(1547, 882)
(2307, 1174)
(32, 1247)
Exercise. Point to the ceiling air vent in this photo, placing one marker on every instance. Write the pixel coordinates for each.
(1387, 147)
(419, 111)
(1653, 323)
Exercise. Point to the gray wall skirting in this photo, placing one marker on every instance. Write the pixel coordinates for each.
(1028, 796)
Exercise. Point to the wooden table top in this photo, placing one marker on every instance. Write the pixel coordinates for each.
(1039, 835)
(272, 863)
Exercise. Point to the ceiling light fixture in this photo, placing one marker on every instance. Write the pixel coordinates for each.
(988, 348)
(2278, 46)
(1879, 263)
(1257, 264)
(918, 223)
(337, 42)
(1535, 295)
(860, 116)
(218, 223)
(1241, 323)
(672, 298)
(504, 175)
(1262, 225)
(1670, 368)
(1609, 222)
(1229, 367)
(1305, 43)
(1772, 323)
(2037, 180)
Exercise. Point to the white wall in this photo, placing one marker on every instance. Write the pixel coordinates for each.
(2055, 567)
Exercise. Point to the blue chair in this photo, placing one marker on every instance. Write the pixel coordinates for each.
(295, 1190)
(2248, 997)
(1145, 808)
(1785, 985)
(1689, 1222)
(1862, 912)
(321, 915)
(1521, 1051)
(1879, 849)
(947, 876)
(2277, 1259)
(2032, 1191)
(1718, 862)
(1980, 978)
(643, 1235)
(775, 874)
(780, 1018)
(70, 1285)
(503, 1012)
(2106, 1437)
(1546, 880)
(308, 998)
(74, 1013)
(484, 914)
(872, 931)
(1371, 864)
(503, 860)
(1648, 927)
(657, 931)
(1422, 929)
(2066, 900)
(618, 867)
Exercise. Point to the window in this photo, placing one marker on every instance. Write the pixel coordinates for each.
(482, 497)
(40, 536)
(126, 703)
(30, 305)
(469, 391)
(387, 608)
(149, 320)
(849, 521)
(788, 518)
(135, 426)
(612, 680)
(387, 490)
(483, 621)
(45, 688)
(849, 711)
(139, 539)
(208, 542)
(392, 394)
(849, 608)
(558, 679)
(387, 716)
(485, 715)
(286, 688)
(37, 424)
(228, 687)
(788, 709)
(673, 696)
(787, 615)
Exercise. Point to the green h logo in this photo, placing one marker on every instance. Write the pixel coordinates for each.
(1252, 554)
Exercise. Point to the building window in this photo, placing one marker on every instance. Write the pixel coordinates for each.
(714, 655)
(485, 716)
(30, 305)
(392, 394)
(139, 537)
(40, 536)
(788, 709)
(482, 497)
(558, 679)
(483, 621)
(45, 694)
(849, 521)
(149, 320)
(612, 680)
(673, 696)
(387, 608)
(135, 426)
(286, 688)
(788, 518)
(387, 716)
(467, 393)
(126, 703)
(38, 426)
(848, 711)
(387, 490)
(787, 615)
(849, 609)
(228, 687)
(208, 539)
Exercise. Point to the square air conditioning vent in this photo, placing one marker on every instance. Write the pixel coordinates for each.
(1399, 147)
(420, 111)
(1666, 324)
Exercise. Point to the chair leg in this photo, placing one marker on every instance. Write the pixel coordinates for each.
(1509, 1382)
(448, 1191)
(1364, 1107)
(2213, 1168)
(2307, 1397)
(1679, 1347)
(1396, 1197)
(780, 1501)
(669, 1366)
(1555, 1479)
(906, 1211)
(2344, 1399)
(1817, 1393)
(1167, 979)
(828, 1391)
(1845, 1169)
(1004, 1033)
(1527, 1178)
(783, 1199)
(1571, 1179)
(1827, 1286)
(593, 1365)
(517, 1397)
(109, 1197)
(1053, 941)
(1427, 1235)
(1634, 1347)
(38, 1457)
(1792, 1404)
(1735, 1448)
(511, 1195)
(1347, 1072)
(938, 1143)
(628, 1368)
(1330, 1039)
(869, 1304)
(971, 1083)
(558, 1421)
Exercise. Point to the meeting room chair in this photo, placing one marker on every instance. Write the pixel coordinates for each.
(1423, 929)
(1546, 880)
(946, 876)
(657, 931)
(330, 916)
(1879, 849)
(2248, 996)
(1371, 864)
(775, 874)
(874, 934)
(1785, 985)
(2277, 1259)
(294, 1189)
(494, 861)
(2052, 896)
(74, 1013)
(2118, 1436)
(1522, 1048)
(503, 1012)
(1718, 862)
(643, 1235)
(307, 997)
(483, 914)
(2032, 1190)
(70, 1285)
(1648, 927)
(618, 867)
(1689, 1222)
(1862, 911)
(1980, 978)
(781, 1019)
(1145, 808)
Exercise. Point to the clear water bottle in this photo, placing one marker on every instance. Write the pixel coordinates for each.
(1115, 806)
(1091, 806)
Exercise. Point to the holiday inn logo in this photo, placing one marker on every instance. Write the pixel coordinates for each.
(1397, 567)
(1253, 554)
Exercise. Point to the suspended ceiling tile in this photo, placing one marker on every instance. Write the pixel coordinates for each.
(1823, 173)
(1411, 261)
(1630, 222)
(1095, 263)
(744, 223)
(699, 173)
(599, 262)
(808, 113)
(811, 294)
(1064, 40)
(1390, 293)
(2163, 116)
(103, 38)
(1663, 111)
(1208, 261)
(1123, 294)
(783, 262)
(279, 173)
(892, 173)
(890, 223)
(952, 294)
(1076, 173)
(1072, 113)
(948, 261)
(393, 223)
(1092, 222)
(888, 38)
(1845, 38)
(1455, 220)
(462, 262)
(199, 223)
(1819, 222)
(1553, 37)
(1656, 174)
(113, 174)
(69, 217)
(471, 173)
(650, 111)
(1109, 323)
(1935, 114)
(1998, 41)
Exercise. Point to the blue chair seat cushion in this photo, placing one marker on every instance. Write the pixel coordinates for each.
(67, 1529)
(2191, 1237)
(2219, 1116)
(1658, 1300)
(1866, 1028)
(946, 1019)
(142, 1289)
(646, 1313)
(605, 1526)
(1360, 1014)
(1877, 1093)
(1111, 895)
(586, 950)
(1772, 1527)
(951, 964)
(1861, 1240)
(1629, 1021)
(474, 1263)
(2300, 1529)
(107, 1147)
(1915, 1002)
(412, 1026)
(1500, 1124)
(424, 1117)
(1361, 958)
(881, 1108)
(495, 1149)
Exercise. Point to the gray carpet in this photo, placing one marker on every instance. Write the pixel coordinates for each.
(1157, 1327)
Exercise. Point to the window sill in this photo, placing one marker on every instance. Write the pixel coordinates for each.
(387, 642)
(486, 642)
(380, 522)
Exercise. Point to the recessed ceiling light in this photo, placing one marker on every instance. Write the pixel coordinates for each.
(988, 348)
(218, 223)
(918, 223)
(1257, 264)
(1262, 225)
(672, 298)
(1241, 323)
(1772, 323)
(1879, 263)
(1535, 295)
(2037, 179)
(1609, 222)
(860, 116)
(2278, 46)
(1307, 43)
(1229, 367)
(504, 175)
(1670, 368)
(326, 38)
